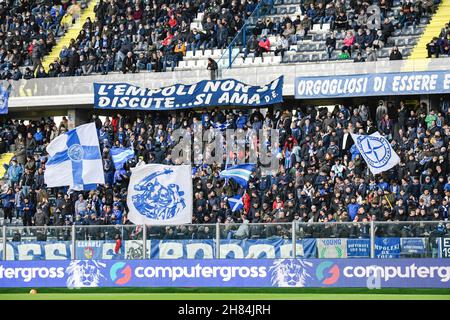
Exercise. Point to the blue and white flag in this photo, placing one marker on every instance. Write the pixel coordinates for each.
(120, 156)
(160, 194)
(236, 203)
(239, 173)
(220, 126)
(4, 97)
(75, 159)
(376, 151)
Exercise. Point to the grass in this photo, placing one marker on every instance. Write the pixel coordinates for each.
(225, 294)
(216, 296)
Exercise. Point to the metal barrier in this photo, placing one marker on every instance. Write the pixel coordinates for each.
(240, 39)
(410, 239)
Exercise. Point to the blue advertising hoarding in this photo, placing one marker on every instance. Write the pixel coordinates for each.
(226, 92)
(374, 84)
(383, 273)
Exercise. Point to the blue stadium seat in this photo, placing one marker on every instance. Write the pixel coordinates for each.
(399, 42)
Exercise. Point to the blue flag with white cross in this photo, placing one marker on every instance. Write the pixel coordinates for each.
(75, 160)
(236, 203)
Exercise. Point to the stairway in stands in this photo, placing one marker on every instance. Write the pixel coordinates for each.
(72, 33)
(439, 19)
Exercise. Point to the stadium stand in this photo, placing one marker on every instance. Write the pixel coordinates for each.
(164, 36)
(436, 29)
(29, 31)
(321, 176)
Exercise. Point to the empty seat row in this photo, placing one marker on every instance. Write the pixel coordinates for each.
(239, 61)
(208, 53)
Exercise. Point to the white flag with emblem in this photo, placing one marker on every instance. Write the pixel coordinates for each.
(376, 151)
(160, 195)
(75, 160)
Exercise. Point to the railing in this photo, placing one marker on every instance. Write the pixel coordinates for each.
(240, 39)
(226, 241)
(76, 91)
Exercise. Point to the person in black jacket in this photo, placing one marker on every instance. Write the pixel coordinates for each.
(395, 54)
(212, 66)
(330, 44)
(129, 63)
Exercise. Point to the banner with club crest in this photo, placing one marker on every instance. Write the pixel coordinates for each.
(160, 195)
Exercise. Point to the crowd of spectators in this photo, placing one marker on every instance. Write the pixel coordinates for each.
(361, 32)
(439, 46)
(28, 32)
(321, 176)
(131, 36)
(136, 35)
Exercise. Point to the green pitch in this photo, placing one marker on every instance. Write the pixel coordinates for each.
(225, 294)
(218, 296)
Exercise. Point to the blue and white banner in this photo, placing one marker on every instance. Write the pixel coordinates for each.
(160, 195)
(359, 273)
(159, 249)
(376, 151)
(373, 84)
(227, 92)
(120, 156)
(413, 246)
(75, 160)
(387, 248)
(4, 97)
(358, 248)
(38, 250)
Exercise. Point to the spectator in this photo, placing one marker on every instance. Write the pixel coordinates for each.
(395, 54)
(282, 46)
(433, 48)
(213, 68)
(129, 63)
(348, 42)
(263, 46)
(330, 44)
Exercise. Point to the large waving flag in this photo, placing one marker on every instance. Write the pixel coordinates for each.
(236, 203)
(75, 160)
(376, 151)
(120, 156)
(160, 194)
(239, 173)
(4, 96)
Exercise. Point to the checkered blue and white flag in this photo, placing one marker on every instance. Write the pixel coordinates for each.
(376, 151)
(75, 160)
